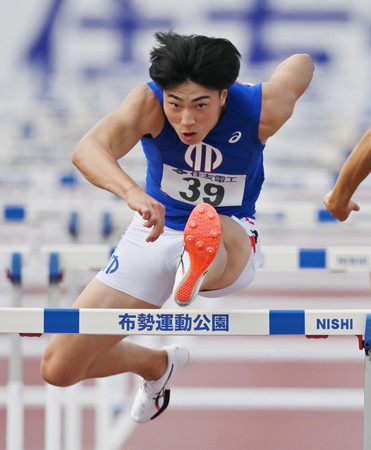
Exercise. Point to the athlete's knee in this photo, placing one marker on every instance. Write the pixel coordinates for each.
(56, 371)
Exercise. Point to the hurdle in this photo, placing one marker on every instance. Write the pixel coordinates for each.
(332, 258)
(64, 257)
(311, 323)
(74, 214)
(307, 215)
(188, 322)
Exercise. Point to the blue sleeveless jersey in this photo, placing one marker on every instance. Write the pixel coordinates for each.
(225, 169)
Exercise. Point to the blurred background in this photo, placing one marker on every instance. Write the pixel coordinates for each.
(64, 64)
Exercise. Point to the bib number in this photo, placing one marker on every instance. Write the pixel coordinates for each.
(214, 192)
(196, 187)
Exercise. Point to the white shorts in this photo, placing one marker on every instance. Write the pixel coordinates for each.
(146, 270)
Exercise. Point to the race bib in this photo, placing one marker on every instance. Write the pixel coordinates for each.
(196, 187)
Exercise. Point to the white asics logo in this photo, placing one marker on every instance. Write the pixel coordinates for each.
(236, 136)
(203, 157)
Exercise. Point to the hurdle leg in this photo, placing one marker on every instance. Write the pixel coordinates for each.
(15, 406)
(53, 418)
(73, 418)
(367, 394)
(102, 413)
(367, 404)
(53, 405)
(123, 424)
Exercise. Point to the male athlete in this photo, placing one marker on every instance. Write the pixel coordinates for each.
(193, 231)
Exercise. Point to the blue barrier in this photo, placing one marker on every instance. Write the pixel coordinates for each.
(73, 226)
(107, 226)
(54, 268)
(14, 213)
(15, 271)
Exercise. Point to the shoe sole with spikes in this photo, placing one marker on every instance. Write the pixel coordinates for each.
(202, 235)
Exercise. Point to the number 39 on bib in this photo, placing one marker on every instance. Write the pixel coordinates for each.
(194, 187)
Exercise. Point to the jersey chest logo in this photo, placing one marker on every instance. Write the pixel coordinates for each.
(203, 158)
(236, 136)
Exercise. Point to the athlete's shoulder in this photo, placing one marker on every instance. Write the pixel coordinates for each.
(143, 100)
(245, 98)
(144, 95)
(156, 89)
(144, 108)
(245, 92)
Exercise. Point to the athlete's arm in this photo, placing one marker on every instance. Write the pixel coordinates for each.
(356, 168)
(97, 153)
(279, 95)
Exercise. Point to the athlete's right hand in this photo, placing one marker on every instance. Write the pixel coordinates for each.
(152, 211)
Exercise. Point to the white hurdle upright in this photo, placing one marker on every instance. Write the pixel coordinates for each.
(53, 405)
(15, 410)
(15, 257)
(367, 391)
(200, 322)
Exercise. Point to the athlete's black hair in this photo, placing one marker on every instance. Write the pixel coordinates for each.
(211, 62)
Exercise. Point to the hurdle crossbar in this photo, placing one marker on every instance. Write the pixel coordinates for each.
(182, 322)
(306, 215)
(336, 258)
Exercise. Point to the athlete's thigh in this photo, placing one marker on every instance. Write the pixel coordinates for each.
(141, 269)
(235, 250)
(80, 350)
(99, 295)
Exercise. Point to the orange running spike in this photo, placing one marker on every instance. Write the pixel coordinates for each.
(202, 238)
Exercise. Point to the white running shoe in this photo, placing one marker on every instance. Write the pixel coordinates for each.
(153, 396)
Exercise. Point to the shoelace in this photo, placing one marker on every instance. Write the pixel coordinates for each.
(181, 262)
(162, 390)
(147, 388)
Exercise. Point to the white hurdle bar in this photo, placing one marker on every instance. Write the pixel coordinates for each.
(307, 215)
(178, 322)
(71, 212)
(57, 210)
(333, 258)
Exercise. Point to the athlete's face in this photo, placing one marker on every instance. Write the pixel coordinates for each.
(193, 110)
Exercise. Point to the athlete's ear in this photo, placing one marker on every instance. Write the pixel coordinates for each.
(223, 96)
